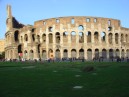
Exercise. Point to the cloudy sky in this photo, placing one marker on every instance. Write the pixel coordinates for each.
(28, 11)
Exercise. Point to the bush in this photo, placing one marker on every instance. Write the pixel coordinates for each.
(88, 69)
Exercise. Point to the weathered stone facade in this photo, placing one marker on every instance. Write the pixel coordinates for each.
(66, 37)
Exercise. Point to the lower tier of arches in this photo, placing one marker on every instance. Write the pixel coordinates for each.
(88, 54)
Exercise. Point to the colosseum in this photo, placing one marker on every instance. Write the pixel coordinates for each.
(66, 37)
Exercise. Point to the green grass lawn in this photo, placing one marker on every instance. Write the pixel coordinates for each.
(22, 79)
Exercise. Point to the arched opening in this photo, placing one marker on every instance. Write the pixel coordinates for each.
(20, 51)
(38, 38)
(33, 37)
(122, 53)
(111, 53)
(72, 21)
(25, 54)
(80, 28)
(117, 53)
(50, 53)
(88, 37)
(65, 37)
(96, 37)
(31, 55)
(57, 54)
(39, 48)
(126, 38)
(96, 53)
(122, 38)
(26, 37)
(73, 53)
(104, 53)
(127, 53)
(57, 37)
(16, 36)
(65, 53)
(50, 29)
(110, 38)
(50, 38)
(103, 36)
(89, 54)
(44, 38)
(44, 55)
(81, 37)
(116, 38)
(81, 54)
(73, 37)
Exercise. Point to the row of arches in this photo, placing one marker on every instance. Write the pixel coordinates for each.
(88, 54)
(73, 37)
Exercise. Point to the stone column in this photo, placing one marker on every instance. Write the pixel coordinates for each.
(85, 54)
(47, 43)
(69, 53)
(77, 51)
(113, 39)
(93, 53)
(36, 55)
(61, 53)
(107, 54)
(100, 52)
(77, 37)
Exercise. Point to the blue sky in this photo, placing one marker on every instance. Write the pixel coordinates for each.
(28, 11)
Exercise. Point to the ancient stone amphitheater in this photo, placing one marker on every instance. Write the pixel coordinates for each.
(66, 37)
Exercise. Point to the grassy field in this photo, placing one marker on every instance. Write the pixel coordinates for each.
(22, 79)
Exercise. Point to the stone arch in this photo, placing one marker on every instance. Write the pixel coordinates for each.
(26, 37)
(80, 28)
(50, 53)
(126, 38)
(81, 53)
(16, 36)
(81, 37)
(73, 37)
(31, 55)
(57, 54)
(73, 53)
(65, 53)
(50, 29)
(96, 53)
(33, 37)
(117, 53)
(103, 36)
(44, 54)
(110, 36)
(122, 37)
(104, 53)
(57, 36)
(89, 54)
(111, 53)
(25, 54)
(127, 53)
(20, 49)
(38, 38)
(122, 53)
(116, 38)
(65, 37)
(96, 37)
(88, 37)
(44, 38)
(50, 38)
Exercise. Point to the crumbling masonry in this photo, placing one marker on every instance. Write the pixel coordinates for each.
(66, 37)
